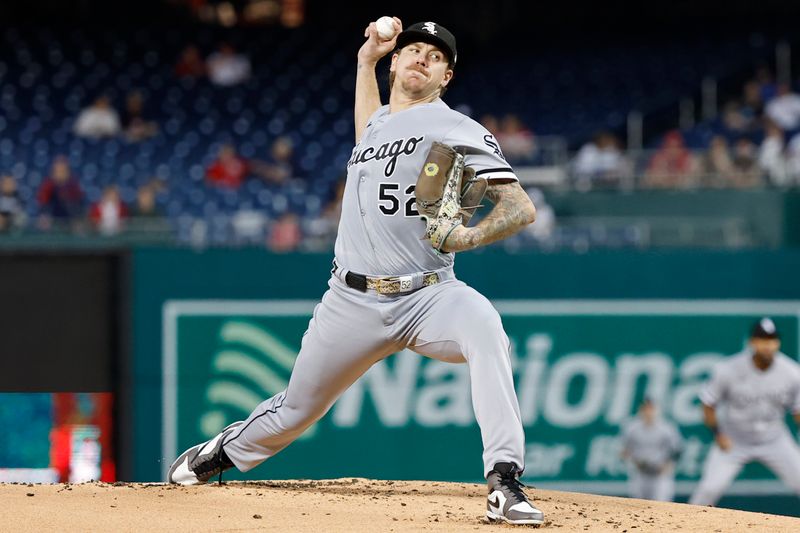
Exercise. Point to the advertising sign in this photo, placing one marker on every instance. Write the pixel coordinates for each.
(581, 368)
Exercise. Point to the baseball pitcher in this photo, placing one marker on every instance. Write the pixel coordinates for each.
(744, 405)
(416, 174)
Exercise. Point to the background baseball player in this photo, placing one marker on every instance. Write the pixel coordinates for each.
(651, 445)
(744, 405)
(391, 289)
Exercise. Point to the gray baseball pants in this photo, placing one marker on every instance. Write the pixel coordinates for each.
(350, 331)
(781, 455)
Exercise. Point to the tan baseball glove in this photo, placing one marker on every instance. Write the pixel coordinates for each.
(447, 193)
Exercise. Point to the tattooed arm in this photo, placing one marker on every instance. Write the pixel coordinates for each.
(513, 210)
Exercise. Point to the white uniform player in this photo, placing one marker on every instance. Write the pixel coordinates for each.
(745, 404)
(651, 445)
(390, 289)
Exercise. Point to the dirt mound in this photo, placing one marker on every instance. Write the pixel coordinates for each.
(341, 505)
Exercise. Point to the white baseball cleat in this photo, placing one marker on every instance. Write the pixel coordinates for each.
(200, 463)
(507, 502)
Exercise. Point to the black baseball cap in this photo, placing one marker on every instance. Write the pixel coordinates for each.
(431, 33)
(764, 329)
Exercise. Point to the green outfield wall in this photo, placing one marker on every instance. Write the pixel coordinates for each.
(216, 332)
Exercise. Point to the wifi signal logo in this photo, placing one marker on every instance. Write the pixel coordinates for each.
(251, 366)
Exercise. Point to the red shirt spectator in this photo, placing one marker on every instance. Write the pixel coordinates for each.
(229, 170)
(673, 165)
(190, 64)
(60, 195)
(285, 235)
(516, 141)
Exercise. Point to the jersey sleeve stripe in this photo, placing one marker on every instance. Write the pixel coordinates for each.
(505, 174)
(504, 170)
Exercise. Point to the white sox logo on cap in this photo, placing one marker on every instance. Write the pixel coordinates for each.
(431, 33)
(768, 325)
(430, 27)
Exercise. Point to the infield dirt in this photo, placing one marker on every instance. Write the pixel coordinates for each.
(348, 505)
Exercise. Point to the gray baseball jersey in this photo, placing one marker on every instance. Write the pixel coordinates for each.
(380, 230)
(752, 405)
(753, 402)
(653, 444)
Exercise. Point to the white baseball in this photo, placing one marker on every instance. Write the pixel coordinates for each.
(385, 26)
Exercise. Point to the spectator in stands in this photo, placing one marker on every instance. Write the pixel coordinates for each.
(136, 127)
(226, 68)
(599, 162)
(229, 169)
(147, 218)
(784, 109)
(98, 120)
(745, 115)
(280, 166)
(745, 161)
(285, 234)
(109, 213)
(12, 215)
(793, 160)
(491, 123)
(544, 214)
(60, 196)
(753, 104)
(320, 231)
(739, 170)
(718, 163)
(146, 206)
(766, 83)
(190, 63)
(672, 166)
(733, 117)
(516, 141)
(771, 158)
(249, 226)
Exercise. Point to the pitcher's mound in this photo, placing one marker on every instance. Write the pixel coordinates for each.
(347, 505)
